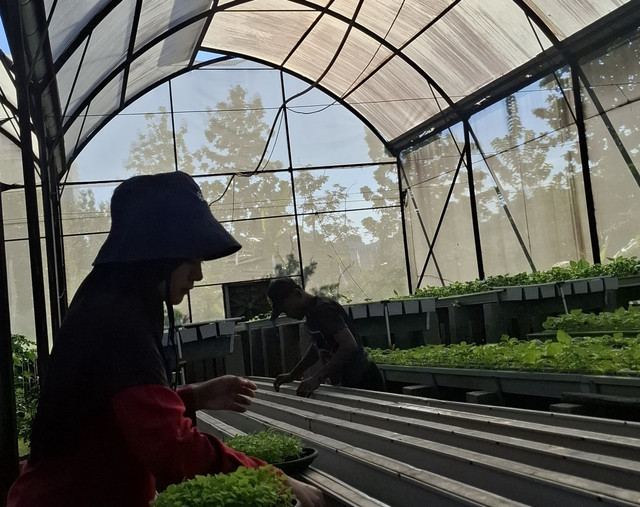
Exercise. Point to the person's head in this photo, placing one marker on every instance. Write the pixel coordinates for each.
(286, 296)
(161, 224)
(182, 279)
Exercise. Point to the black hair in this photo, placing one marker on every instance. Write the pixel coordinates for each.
(144, 278)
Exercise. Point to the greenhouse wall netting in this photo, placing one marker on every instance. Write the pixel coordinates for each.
(529, 186)
(323, 197)
(307, 188)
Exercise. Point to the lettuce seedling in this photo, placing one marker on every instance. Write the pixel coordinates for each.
(268, 445)
(257, 487)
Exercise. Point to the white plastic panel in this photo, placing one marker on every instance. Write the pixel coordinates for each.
(167, 57)
(462, 46)
(158, 16)
(106, 49)
(68, 20)
(462, 56)
(268, 36)
(406, 104)
(572, 16)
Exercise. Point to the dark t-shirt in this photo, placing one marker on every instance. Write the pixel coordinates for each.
(325, 318)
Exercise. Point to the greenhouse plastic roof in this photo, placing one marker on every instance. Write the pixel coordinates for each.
(401, 65)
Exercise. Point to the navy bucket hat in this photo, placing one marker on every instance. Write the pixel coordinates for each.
(163, 216)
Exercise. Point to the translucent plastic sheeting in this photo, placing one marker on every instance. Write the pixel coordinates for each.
(475, 43)
(68, 20)
(158, 16)
(397, 63)
(11, 168)
(566, 18)
(95, 58)
(386, 58)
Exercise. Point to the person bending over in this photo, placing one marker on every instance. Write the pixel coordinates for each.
(335, 341)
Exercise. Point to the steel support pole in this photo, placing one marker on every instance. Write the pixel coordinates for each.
(403, 194)
(53, 233)
(296, 217)
(584, 161)
(472, 201)
(31, 199)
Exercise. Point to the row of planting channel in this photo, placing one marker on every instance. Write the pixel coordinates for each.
(389, 449)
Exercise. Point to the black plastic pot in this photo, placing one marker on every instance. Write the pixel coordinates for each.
(298, 465)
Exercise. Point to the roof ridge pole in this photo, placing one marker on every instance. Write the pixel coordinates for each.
(584, 160)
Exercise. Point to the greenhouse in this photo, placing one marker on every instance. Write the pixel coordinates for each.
(377, 151)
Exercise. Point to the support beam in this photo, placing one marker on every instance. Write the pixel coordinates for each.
(29, 170)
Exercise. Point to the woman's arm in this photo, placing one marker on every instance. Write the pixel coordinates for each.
(228, 392)
(153, 423)
(310, 358)
(338, 362)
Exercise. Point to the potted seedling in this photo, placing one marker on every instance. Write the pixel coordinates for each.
(258, 487)
(285, 452)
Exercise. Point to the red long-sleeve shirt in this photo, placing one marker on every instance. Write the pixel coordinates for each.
(150, 444)
(109, 431)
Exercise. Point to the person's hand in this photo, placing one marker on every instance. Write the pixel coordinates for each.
(309, 495)
(228, 392)
(307, 386)
(283, 378)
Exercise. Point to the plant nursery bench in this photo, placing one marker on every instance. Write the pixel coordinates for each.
(390, 449)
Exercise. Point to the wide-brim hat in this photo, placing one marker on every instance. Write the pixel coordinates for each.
(277, 291)
(163, 216)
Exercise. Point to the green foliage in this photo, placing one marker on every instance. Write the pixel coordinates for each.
(26, 386)
(618, 267)
(290, 266)
(259, 487)
(178, 318)
(260, 316)
(453, 289)
(603, 355)
(576, 320)
(268, 445)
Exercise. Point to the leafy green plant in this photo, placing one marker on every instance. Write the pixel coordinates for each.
(453, 289)
(260, 316)
(26, 385)
(178, 318)
(577, 320)
(258, 487)
(268, 445)
(603, 355)
(619, 267)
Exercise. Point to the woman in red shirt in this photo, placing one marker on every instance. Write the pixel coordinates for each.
(109, 430)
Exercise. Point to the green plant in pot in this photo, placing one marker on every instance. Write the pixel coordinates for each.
(283, 451)
(258, 487)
